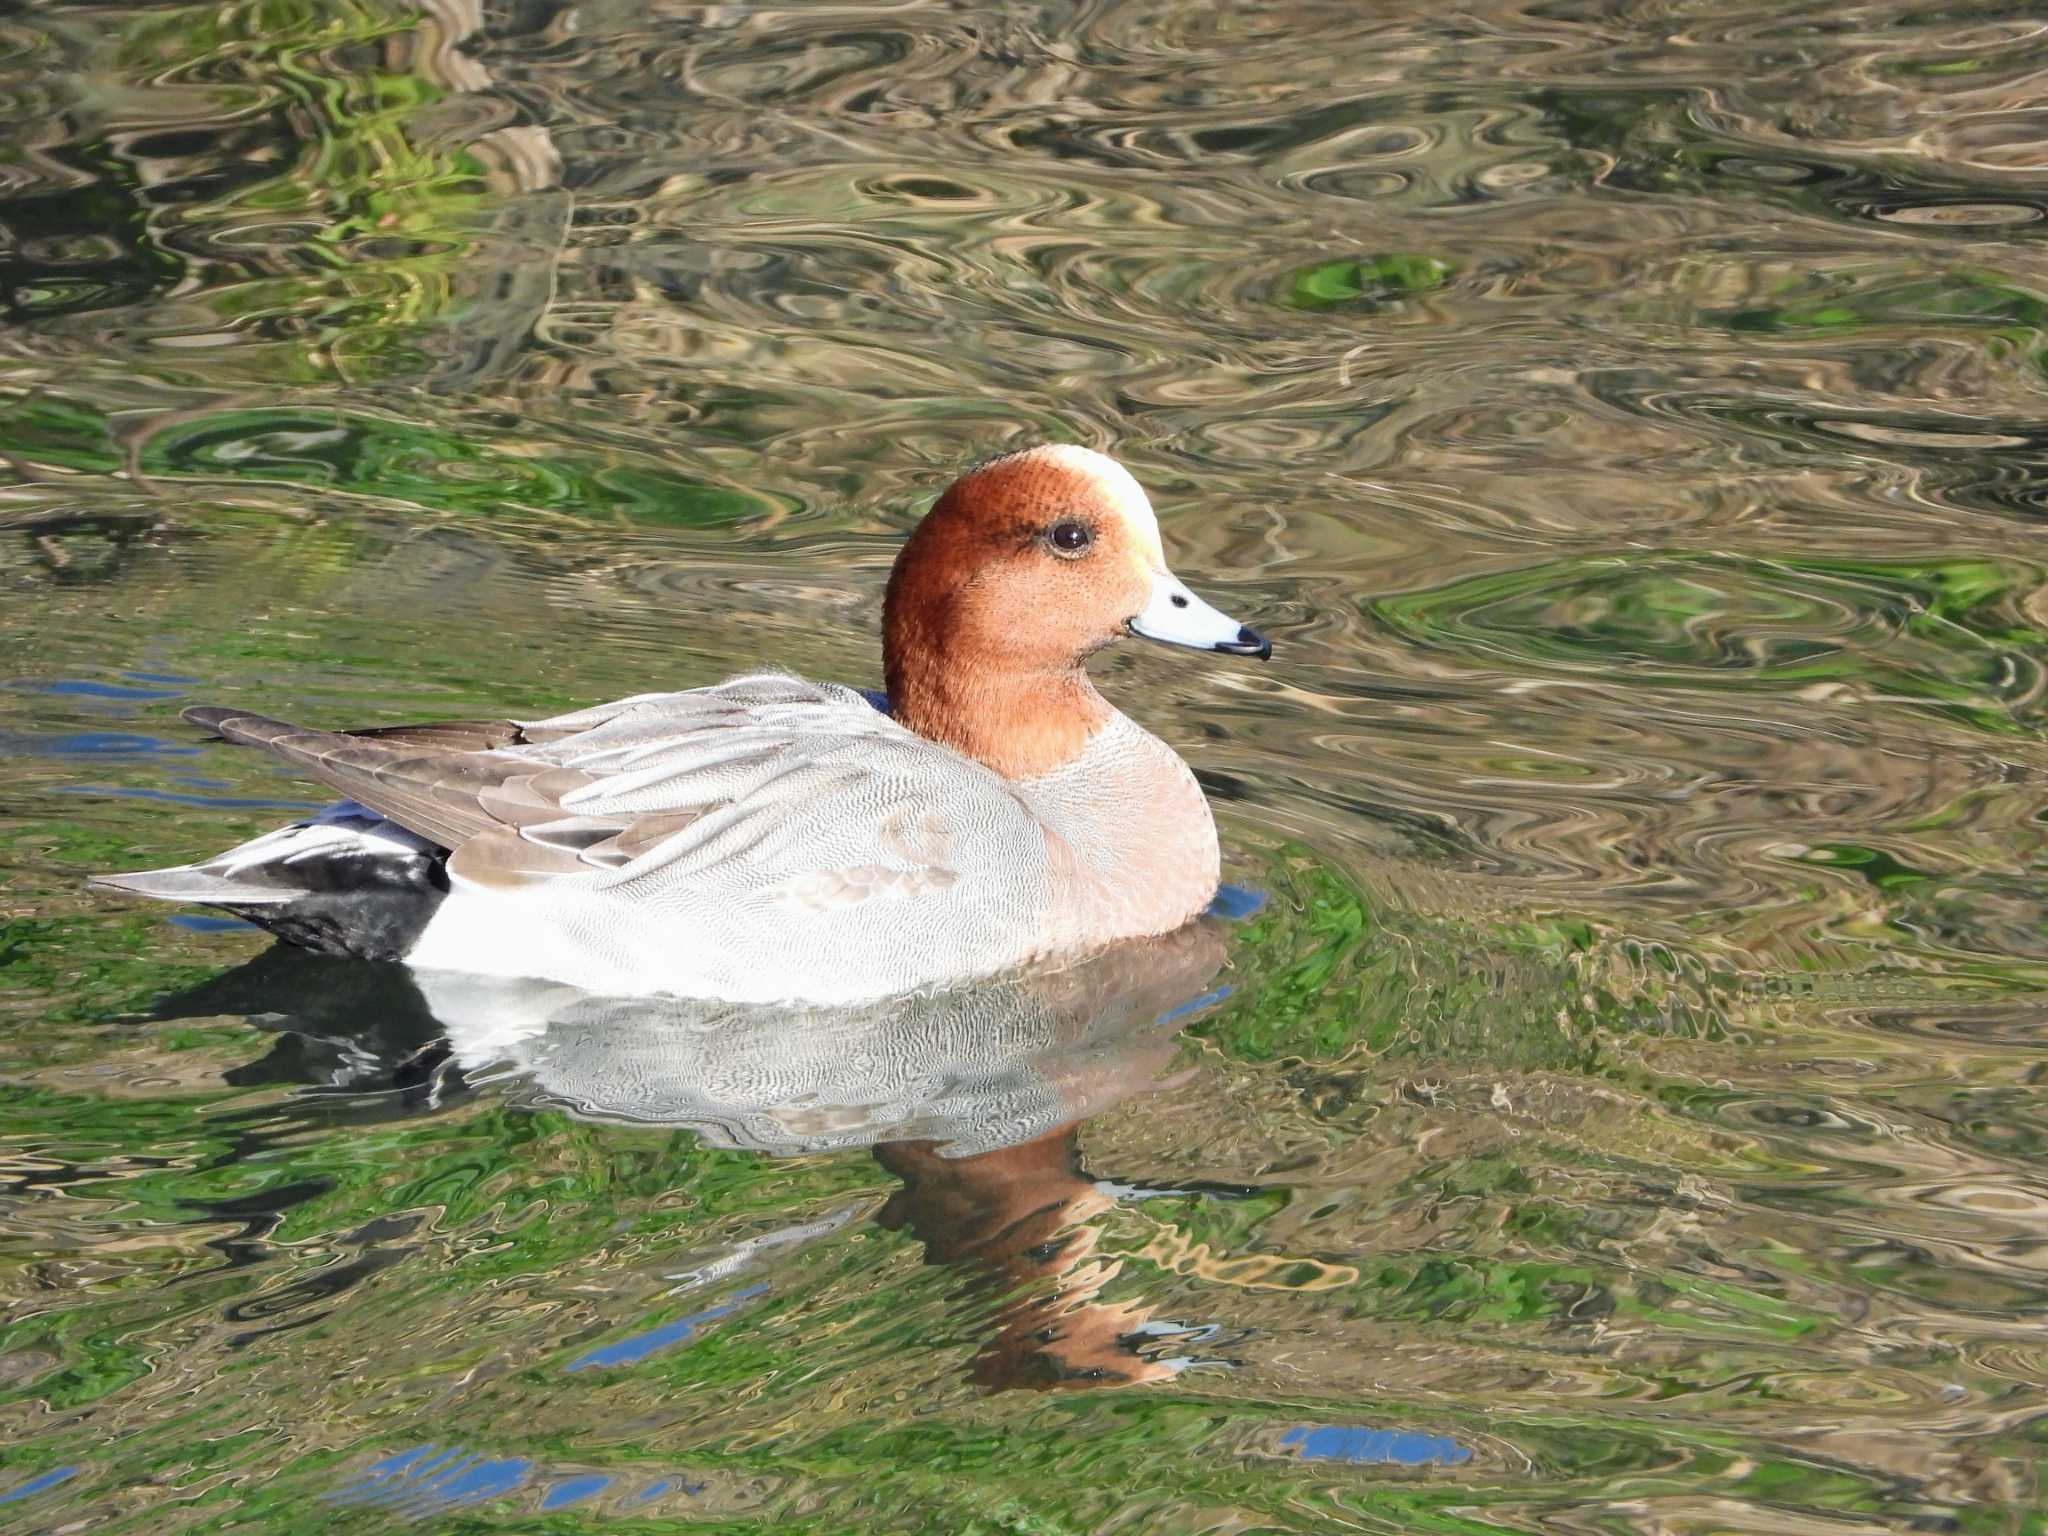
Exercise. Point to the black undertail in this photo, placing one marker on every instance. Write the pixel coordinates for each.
(356, 905)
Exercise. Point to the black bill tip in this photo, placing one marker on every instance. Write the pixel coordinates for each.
(1249, 642)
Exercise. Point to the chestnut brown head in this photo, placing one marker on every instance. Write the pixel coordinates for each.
(1034, 560)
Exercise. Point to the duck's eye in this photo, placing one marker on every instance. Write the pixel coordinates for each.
(1070, 537)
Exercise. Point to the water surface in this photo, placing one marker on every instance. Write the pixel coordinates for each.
(1621, 1114)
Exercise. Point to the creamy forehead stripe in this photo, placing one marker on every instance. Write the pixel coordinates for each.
(1116, 486)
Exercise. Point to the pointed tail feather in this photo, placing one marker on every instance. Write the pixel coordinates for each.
(192, 883)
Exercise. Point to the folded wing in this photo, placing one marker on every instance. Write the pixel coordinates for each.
(766, 789)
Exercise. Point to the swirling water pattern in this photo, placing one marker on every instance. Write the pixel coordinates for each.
(1621, 1114)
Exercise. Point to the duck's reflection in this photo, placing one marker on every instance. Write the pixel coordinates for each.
(1020, 1216)
(972, 1098)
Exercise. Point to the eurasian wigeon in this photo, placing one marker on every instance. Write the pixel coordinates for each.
(771, 839)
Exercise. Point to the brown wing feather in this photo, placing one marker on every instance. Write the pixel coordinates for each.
(447, 735)
(431, 793)
(506, 861)
(445, 780)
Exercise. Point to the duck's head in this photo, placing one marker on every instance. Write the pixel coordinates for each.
(1042, 557)
(1024, 568)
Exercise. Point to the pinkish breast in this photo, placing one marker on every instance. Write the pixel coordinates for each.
(1131, 843)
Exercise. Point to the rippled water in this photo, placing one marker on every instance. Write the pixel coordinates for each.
(1622, 1114)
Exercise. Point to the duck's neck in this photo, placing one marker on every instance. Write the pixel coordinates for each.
(1020, 723)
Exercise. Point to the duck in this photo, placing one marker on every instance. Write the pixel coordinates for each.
(774, 840)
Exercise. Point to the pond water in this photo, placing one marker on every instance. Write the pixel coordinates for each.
(1611, 1100)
